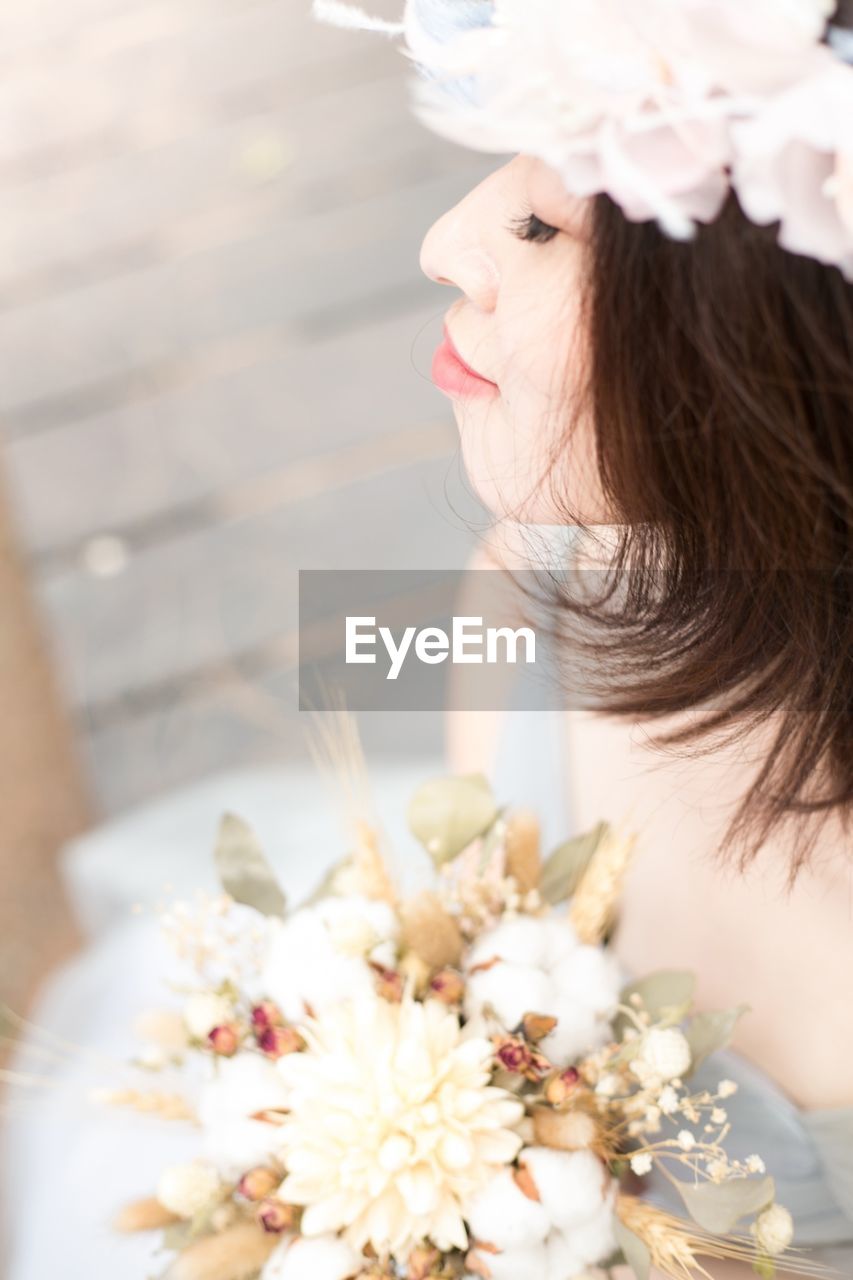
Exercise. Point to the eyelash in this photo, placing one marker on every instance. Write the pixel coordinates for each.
(529, 227)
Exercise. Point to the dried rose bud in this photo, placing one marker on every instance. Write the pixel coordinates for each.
(423, 1262)
(448, 986)
(513, 1054)
(536, 1026)
(560, 1087)
(276, 1042)
(266, 1014)
(259, 1183)
(389, 983)
(225, 1040)
(519, 1058)
(275, 1216)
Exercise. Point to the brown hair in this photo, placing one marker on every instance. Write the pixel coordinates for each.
(721, 380)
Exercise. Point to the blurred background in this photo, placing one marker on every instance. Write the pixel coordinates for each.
(215, 346)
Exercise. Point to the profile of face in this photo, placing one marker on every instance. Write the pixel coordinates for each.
(514, 356)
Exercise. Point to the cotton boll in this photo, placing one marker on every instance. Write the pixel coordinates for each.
(564, 1262)
(586, 986)
(356, 925)
(572, 1185)
(320, 1258)
(590, 976)
(242, 1086)
(596, 1241)
(522, 941)
(560, 940)
(577, 1032)
(512, 990)
(517, 1264)
(304, 967)
(502, 1215)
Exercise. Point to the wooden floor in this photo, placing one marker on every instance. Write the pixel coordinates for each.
(215, 345)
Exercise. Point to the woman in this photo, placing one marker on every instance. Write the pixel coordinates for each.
(612, 365)
(691, 391)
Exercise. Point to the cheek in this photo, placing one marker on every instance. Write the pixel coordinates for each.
(530, 453)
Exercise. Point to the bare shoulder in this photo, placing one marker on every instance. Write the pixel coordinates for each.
(750, 936)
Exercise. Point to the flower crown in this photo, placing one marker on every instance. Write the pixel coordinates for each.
(664, 105)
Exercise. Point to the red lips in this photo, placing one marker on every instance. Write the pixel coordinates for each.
(454, 377)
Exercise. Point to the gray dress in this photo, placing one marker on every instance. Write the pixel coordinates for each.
(809, 1153)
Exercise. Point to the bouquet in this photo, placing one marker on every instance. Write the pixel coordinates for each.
(457, 1084)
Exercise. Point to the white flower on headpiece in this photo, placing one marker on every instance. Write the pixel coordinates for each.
(795, 165)
(662, 105)
(630, 100)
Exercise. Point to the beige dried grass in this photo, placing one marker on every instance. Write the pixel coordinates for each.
(431, 931)
(236, 1254)
(523, 851)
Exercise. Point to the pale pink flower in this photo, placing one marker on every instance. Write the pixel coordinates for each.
(794, 165)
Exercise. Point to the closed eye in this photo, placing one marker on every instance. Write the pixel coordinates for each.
(530, 227)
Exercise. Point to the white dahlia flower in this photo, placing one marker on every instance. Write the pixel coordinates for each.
(322, 1258)
(557, 1237)
(393, 1125)
(536, 965)
(242, 1087)
(319, 955)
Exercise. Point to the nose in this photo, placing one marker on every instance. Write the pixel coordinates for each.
(454, 253)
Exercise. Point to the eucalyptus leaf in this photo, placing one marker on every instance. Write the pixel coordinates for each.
(709, 1032)
(243, 869)
(636, 1251)
(177, 1236)
(446, 814)
(719, 1206)
(564, 868)
(666, 995)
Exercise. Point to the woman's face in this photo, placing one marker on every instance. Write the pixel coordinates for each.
(513, 360)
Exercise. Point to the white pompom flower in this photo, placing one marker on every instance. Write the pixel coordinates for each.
(663, 1055)
(204, 1011)
(187, 1189)
(242, 1087)
(319, 955)
(773, 1230)
(322, 1258)
(537, 965)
